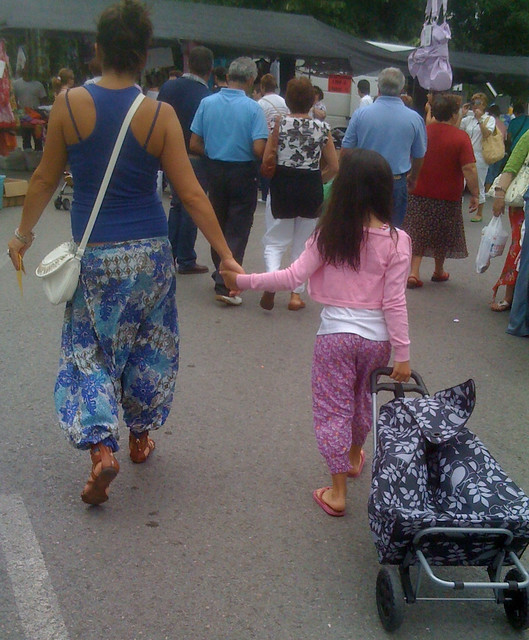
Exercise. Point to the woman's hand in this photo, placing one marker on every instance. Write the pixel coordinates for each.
(17, 249)
(401, 371)
(498, 205)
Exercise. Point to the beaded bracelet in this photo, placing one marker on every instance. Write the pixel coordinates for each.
(24, 239)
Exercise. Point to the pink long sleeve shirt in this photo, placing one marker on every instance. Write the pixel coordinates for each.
(379, 283)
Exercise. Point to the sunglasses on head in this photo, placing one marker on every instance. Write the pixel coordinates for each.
(473, 102)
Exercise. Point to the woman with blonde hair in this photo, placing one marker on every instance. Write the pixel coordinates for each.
(63, 81)
(479, 126)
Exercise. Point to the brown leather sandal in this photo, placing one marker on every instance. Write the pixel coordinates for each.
(140, 448)
(105, 468)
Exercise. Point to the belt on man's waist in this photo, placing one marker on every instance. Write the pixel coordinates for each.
(398, 176)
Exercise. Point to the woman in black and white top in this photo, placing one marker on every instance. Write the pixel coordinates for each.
(296, 190)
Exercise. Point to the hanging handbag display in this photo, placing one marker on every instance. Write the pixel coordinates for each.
(60, 269)
(493, 147)
(268, 166)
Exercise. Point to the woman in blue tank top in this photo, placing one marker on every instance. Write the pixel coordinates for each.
(120, 331)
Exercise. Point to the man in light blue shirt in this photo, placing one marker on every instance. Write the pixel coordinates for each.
(230, 129)
(396, 132)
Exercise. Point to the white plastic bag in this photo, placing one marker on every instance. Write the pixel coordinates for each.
(493, 241)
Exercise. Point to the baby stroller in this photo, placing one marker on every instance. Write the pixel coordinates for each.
(439, 498)
(62, 201)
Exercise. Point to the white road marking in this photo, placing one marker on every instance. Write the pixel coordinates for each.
(37, 603)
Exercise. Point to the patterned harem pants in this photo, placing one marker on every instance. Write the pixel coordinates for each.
(119, 343)
(341, 399)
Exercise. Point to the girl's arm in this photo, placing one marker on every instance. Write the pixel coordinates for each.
(282, 280)
(394, 306)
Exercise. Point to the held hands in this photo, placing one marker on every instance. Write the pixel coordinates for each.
(228, 269)
(401, 371)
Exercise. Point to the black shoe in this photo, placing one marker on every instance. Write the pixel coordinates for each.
(197, 268)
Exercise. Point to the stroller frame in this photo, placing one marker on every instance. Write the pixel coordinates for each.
(395, 588)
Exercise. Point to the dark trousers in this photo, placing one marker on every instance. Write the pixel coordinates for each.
(233, 194)
(400, 199)
(182, 230)
(27, 134)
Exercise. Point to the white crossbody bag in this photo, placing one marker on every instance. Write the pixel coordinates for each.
(60, 269)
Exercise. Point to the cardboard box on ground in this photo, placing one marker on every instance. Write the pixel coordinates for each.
(14, 192)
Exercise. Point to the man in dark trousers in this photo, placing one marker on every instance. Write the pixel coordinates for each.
(184, 95)
(230, 129)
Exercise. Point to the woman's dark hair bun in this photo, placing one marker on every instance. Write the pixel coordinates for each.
(124, 33)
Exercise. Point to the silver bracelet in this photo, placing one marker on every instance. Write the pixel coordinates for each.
(24, 239)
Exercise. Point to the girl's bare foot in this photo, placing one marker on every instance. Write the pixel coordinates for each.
(335, 502)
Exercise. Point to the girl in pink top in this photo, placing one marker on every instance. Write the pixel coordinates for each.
(357, 265)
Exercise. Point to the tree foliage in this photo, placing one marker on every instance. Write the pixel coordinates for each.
(481, 26)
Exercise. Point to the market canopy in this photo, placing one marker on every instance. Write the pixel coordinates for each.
(252, 31)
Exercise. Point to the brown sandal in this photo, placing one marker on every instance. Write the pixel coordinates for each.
(140, 447)
(105, 468)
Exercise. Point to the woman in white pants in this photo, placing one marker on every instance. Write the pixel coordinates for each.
(478, 125)
(296, 189)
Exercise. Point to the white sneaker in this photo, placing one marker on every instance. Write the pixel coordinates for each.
(234, 301)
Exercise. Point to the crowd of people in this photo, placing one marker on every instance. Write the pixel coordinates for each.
(396, 197)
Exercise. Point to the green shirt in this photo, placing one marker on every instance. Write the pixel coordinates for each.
(518, 155)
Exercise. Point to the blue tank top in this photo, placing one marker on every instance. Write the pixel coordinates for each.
(131, 209)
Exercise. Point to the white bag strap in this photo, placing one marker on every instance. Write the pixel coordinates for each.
(108, 173)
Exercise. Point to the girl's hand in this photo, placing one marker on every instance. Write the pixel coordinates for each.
(401, 371)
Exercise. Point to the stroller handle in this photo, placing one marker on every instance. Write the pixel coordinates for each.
(399, 389)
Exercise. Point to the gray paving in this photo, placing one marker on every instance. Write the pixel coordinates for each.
(217, 536)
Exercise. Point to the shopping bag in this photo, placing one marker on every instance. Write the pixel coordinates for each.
(493, 241)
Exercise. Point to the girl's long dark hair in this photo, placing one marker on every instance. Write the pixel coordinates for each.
(363, 187)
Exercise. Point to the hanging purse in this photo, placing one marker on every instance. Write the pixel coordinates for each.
(60, 269)
(268, 166)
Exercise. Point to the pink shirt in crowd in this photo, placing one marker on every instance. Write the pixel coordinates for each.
(379, 283)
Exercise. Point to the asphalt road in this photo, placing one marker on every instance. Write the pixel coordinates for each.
(217, 537)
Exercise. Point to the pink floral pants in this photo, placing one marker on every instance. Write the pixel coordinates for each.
(341, 398)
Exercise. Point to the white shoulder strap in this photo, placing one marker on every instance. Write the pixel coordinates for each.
(108, 173)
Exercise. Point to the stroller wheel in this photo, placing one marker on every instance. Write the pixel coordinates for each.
(58, 202)
(516, 602)
(390, 598)
(66, 204)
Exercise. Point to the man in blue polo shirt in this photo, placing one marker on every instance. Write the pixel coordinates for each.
(184, 94)
(397, 132)
(230, 129)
